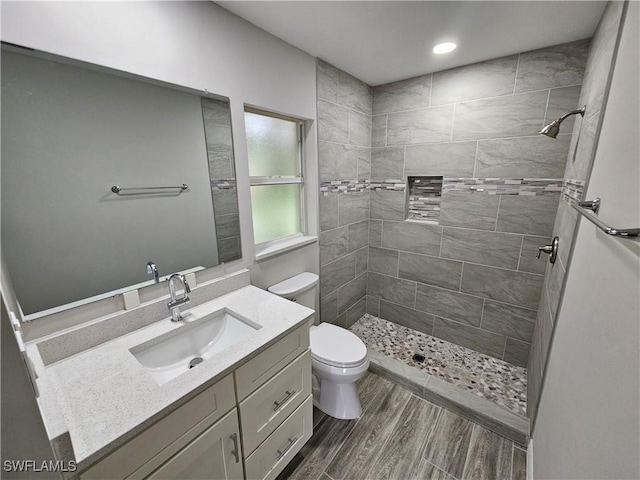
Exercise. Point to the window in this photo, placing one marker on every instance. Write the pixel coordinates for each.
(274, 146)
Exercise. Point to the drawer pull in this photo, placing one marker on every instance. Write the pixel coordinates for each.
(282, 452)
(235, 452)
(278, 405)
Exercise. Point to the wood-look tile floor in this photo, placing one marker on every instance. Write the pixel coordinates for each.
(401, 436)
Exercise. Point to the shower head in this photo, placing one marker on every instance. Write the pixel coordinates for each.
(553, 128)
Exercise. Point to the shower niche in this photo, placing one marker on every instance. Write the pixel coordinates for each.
(423, 198)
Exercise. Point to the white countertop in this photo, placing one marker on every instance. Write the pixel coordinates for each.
(104, 396)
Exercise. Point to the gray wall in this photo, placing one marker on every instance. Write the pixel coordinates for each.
(69, 134)
(473, 279)
(206, 48)
(344, 158)
(588, 422)
(580, 158)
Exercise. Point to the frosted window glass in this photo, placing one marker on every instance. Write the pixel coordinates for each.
(272, 145)
(276, 211)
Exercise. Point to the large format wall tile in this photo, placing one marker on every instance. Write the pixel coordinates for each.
(469, 210)
(556, 66)
(379, 131)
(387, 205)
(395, 290)
(427, 125)
(375, 233)
(487, 248)
(329, 307)
(517, 288)
(336, 274)
(353, 207)
(362, 260)
(354, 93)
(409, 317)
(333, 122)
(470, 337)
(333, 245)
(509, 320)
(509, 116)
(328, 212)
(327, 76)
(355, 312)
(446, 159)
(526, 157)
(430, 270)
(533, 215)
(517, 352)
(479, 80)
(383, 260)
(350, 293)
(412, 237)
(387, 162)
(358, 235)
(359, 129)
(364, 162)
(337, 161)
(456, 306)
(403, 95)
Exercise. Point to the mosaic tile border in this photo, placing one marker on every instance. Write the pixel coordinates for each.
(489, 186)
(572, 190)
(505, 186)
(223, 184)
(484, 376)
(344, 186)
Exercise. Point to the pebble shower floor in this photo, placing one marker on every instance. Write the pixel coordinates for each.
(485, 376)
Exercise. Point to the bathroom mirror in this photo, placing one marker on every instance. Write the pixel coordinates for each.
(70, 133)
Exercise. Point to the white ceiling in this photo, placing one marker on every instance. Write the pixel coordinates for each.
(383, 41)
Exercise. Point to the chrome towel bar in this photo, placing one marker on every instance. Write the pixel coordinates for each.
(614, 232)
(122, 190)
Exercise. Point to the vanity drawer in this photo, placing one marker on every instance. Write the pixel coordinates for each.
(267, 407)
(265, 365)
(276, 452)
(168, 435)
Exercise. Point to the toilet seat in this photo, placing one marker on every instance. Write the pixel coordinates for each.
(336, 346)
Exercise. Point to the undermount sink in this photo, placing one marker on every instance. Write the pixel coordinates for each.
(188, 346)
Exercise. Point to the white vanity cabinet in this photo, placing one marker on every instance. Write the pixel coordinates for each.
(248, 425)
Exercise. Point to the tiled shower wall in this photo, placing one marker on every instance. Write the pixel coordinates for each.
(472, 279)
(578, 168)
(344, 157)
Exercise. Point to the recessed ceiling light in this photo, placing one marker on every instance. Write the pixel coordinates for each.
(445, 47)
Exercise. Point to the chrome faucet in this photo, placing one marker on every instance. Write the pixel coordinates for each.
(176, 301)
(152, 269)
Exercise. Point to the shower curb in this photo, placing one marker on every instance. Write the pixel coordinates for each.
(479, 410)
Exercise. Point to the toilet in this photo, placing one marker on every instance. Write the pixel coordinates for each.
(338, 357)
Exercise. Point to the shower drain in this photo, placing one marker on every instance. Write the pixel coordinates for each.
(419, 358)
(195, 362)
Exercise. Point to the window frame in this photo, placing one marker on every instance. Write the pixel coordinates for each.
(256, 181)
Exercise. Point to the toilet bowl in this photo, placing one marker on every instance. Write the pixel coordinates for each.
(338, 357)
(338, 360)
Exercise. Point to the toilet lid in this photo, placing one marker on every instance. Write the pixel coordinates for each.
(333, 345)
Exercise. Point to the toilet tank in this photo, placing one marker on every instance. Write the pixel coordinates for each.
(301, 289)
